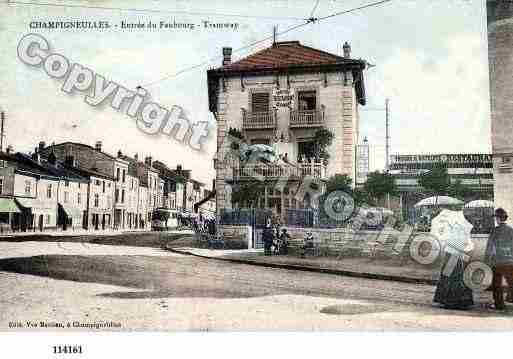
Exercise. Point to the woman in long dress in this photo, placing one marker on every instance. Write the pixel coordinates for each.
(453, 231)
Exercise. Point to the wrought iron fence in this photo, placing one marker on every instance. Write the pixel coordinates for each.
(311, 218)
(244, 216)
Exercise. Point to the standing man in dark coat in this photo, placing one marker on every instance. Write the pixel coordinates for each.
(267, 238)
(499, 255)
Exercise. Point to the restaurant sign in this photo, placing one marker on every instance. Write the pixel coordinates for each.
(283, 98)
(452, 158)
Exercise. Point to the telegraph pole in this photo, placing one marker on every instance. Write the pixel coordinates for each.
(387, 144)
(2, 119)
(387, 135)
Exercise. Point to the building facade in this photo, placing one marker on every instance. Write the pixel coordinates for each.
(473, 171)
(28, 194)
(134, 214)
(500, 59)
(150, 179)
(280, 97)
(72, 190)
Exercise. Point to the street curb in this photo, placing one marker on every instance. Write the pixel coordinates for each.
(313, 269)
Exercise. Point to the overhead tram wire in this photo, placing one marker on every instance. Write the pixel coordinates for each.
(220, 56)
(377, 3)
(308, 21)
(155, 11)
(314, 8)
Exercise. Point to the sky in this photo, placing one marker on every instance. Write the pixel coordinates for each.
(430, 57)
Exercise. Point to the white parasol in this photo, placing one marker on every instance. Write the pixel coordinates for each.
(452, 231)
(438, 200)
(480, 203)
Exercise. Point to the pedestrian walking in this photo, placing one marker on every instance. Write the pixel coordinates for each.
(451, 291)
(499, 255)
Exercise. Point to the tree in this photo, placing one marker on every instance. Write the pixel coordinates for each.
(379, 184)
(460, 191)
(436, 181)
(247, 194)
(235, 134)
(361, 196)
(339, 182)
(322, 139)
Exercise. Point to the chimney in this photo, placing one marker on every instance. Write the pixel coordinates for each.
(179, 168)
(70, 161)
(347, 50)
(136, 157)
(98, 146)
(9, 150)
(147, 160)
(227, 56)
(42, 145)
(120, 153)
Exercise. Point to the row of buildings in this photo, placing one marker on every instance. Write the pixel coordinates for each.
(72, 186)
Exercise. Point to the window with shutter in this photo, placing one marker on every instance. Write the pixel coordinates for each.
(260, 102)
(307, 100)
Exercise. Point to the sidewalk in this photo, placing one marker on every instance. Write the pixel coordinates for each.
(409, 272)
(119, 238)
(84, 232)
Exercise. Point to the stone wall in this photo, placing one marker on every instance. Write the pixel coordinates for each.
(236, 237)
(387, 244)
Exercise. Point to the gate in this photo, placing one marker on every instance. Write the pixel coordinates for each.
(260, 218)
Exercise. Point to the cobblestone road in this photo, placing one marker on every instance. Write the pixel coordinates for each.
(145, 290)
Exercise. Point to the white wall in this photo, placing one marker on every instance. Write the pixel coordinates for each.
(19, 185)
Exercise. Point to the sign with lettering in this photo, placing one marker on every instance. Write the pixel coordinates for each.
(283, 98)
(452, 158)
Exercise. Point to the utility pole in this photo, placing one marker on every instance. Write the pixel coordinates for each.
(387, 144)
(2, 119)
(387, 135)
(274, 34)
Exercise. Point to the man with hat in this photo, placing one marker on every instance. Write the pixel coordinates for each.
(499, 255)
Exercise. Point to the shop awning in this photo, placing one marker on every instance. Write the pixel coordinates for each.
(7, 205)
(36, 204)
(71, 211)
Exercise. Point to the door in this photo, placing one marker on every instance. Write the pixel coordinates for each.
(84, 219)
(40, 224)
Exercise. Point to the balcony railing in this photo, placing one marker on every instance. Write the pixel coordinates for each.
(258, 120)
(306, 118)
(273, 171)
